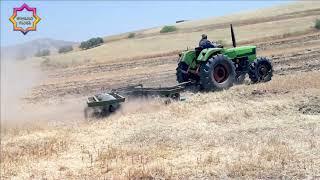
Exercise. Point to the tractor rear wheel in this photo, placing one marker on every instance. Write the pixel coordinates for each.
(217, 73)
(261, 70)
(182, 72)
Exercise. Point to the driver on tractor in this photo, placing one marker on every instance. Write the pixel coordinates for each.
(205, 43)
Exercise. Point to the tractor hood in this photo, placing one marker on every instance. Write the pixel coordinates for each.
(242, 51)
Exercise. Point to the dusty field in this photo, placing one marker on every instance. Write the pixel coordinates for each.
(266, 130)
(257, 131)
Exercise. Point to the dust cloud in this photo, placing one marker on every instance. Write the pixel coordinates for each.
(141, 105)
(17, 80)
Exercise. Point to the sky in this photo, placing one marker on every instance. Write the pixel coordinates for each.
(81, 20)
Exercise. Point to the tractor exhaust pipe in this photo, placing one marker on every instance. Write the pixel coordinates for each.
(233, 37)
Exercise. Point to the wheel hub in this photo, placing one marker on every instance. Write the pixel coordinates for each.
(263, 71)
(220, 73)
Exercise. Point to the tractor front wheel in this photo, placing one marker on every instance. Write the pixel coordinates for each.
(261, 70)
(217, 73)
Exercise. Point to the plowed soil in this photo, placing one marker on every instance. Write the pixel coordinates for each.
(289, 55)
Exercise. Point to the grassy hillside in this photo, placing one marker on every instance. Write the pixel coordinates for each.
(297, 17)
(288, 9)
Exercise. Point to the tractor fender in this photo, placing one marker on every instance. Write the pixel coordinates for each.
(188, 57)
(205, 54)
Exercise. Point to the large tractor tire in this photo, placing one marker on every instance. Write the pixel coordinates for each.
(217, 73)
(182, 72)
(261, 70)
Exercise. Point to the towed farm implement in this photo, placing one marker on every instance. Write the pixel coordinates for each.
(107, 102)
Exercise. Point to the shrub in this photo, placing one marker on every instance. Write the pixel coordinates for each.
(84, 45)
(317, 25)
(65, 49)
(93, 42)
(131, 35)
(167, 29)
(44, 52)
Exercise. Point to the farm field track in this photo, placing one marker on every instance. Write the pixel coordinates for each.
(289, 55)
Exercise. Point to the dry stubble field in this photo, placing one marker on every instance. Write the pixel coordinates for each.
(251, 131)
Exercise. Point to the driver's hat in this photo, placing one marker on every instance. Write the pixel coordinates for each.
(204, 36)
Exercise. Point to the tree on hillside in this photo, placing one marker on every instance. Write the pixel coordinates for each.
(167, 29)
(131, 35)
(91, 43)
(65, 49)
(317, 25)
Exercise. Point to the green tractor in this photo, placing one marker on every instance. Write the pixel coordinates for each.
(219, 68)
